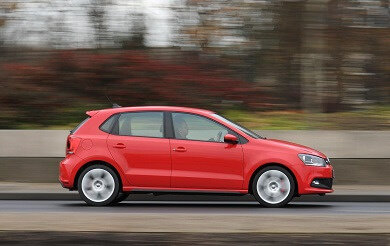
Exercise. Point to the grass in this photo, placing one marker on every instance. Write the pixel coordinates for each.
(377, 118)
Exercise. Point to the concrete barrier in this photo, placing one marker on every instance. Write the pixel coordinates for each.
(339, 144)
(359, 157)
(32, 143)
(335, 144)
(45, 170)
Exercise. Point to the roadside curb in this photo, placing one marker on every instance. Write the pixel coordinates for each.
(73, 196)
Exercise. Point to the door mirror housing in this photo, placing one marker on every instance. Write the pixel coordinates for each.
(230, 138)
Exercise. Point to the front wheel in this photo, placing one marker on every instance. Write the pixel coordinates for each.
(273, 187)
(98, 185)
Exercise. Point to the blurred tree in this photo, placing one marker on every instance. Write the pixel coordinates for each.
(288, 30)
(313, 56)
(97, 15)
(335, 35)
(136, 37)
(5, 7)
(57, 30)
(355, 32)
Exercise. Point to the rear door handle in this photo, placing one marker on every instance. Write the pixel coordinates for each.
(119, 146)
(180, 149)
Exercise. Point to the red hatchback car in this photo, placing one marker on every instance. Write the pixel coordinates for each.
(117, 151)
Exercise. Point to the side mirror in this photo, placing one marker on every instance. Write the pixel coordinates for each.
(229, 138)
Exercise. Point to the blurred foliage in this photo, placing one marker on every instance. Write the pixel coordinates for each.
(42, 92)
(302, 64)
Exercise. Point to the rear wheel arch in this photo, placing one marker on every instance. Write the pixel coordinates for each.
(95, 162)
(261, 167)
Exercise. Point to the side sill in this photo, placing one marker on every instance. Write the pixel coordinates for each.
(185, 192)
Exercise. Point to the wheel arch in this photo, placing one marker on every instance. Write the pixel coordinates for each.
(96, 162)
(261, 167)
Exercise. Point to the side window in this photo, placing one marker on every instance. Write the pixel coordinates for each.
(194, 127)
(143, 124)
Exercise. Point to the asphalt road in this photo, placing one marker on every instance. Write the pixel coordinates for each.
(196, 207)
(195, 217)
(104, 238)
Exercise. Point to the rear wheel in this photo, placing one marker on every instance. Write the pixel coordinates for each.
(273, 186)
(98, 185)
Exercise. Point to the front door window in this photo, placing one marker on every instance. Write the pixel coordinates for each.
(194, 127)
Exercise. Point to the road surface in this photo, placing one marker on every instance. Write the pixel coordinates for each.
(196, 207)
(185, 239)
(187, 222)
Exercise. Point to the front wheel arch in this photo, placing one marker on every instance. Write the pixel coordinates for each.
(250, 191)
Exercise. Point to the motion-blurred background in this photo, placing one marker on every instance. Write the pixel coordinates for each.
(315, 72)
(267, 64)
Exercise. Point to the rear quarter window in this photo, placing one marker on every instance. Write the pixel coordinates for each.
(107, 125)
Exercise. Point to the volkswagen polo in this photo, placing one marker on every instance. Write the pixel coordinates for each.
(161, 149)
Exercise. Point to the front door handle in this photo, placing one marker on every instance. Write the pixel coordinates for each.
(119, 146)
(180, 149)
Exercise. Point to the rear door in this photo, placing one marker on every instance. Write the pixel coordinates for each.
(138, 144)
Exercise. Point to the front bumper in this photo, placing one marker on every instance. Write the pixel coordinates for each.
(316, 180)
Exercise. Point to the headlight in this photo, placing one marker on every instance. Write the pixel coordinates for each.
(312, 160)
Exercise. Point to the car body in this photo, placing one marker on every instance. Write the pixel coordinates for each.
(170, 149)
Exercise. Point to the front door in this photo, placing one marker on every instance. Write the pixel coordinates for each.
(200, 157)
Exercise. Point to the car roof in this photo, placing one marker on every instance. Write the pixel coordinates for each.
(152, 108)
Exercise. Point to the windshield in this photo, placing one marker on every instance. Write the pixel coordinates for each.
(238, 126)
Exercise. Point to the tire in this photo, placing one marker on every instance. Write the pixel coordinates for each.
(273, 187)
(98, 185)
(121, 197)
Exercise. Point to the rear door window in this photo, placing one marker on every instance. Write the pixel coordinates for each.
(142, 124)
